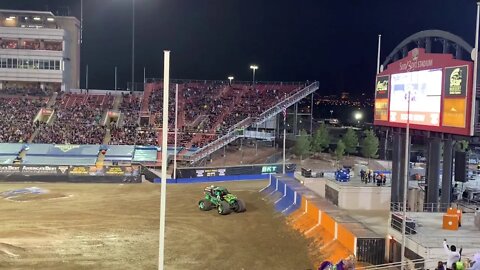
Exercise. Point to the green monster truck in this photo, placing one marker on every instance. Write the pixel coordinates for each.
(220, 198)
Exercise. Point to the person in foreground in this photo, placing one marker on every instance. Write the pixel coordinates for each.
(453, 256)
(345, 264)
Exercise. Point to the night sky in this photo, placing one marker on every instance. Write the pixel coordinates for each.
(334, 42)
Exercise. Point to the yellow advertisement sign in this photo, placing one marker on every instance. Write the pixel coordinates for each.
(381, 109)
(454, 112)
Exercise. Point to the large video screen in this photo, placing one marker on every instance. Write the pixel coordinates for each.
(425, 90)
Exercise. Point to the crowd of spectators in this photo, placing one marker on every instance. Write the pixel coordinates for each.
(219, 106)
(130, 131)
(30, 89)
(8, 44)
(77, 120)
(32, 45)
(53, 46)
(16, 118)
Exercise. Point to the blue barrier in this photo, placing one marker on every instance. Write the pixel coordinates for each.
(282, 202)
(159, 181)
(272, 186)
(287, 200)
(293, 195)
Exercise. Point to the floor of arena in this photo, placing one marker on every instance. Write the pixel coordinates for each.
(112, 226)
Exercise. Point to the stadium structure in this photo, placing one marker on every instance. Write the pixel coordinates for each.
(39, 51)
(51, 130)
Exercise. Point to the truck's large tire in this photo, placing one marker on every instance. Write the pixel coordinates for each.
(223, 208)
(240, 206)
(205, 205)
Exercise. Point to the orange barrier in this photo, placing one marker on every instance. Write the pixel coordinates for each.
(332, 239)
(308, 218)
(329, 224)
(346, 238)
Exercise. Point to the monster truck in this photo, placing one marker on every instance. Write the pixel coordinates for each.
(219, 198)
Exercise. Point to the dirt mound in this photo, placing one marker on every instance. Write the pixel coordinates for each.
(10, 251)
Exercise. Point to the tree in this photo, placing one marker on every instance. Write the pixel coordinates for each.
(369, 146)
(320, 139)
(461, 146)
(302, 146)
(351, 141)
(340, 149)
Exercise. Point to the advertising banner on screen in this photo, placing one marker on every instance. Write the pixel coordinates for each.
(424, 89)
(433, 92)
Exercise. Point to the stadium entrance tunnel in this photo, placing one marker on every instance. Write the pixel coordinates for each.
(334, 234)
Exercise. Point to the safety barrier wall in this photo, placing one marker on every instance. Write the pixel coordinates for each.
(216, 179)
(316, 218)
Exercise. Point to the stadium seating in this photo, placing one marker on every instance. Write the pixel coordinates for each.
(77, 120)
(16, 117)
(206, 111)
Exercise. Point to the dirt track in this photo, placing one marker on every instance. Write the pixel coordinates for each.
(111, 226)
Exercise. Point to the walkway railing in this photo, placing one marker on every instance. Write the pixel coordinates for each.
(232, 135)
(424, 237)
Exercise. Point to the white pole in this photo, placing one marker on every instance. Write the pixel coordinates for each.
(378, 53)
(284, 141)
(116, 79)
(405, 186)
(81, 21)
(86, 80)
(475, 71)
(163, 191)
(176, 130)
(284, 136)
(133, 46)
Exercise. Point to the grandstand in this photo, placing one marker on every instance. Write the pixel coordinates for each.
(209, 114)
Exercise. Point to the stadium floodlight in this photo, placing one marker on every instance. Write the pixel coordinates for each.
(36, 18)
(253, 68)
(358, 116)
(9, 19)
(230, 78)
(50, 19)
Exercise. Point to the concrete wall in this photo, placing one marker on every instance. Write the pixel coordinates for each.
(351, 197)
(362, 198)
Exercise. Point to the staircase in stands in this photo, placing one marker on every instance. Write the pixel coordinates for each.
(234, 134)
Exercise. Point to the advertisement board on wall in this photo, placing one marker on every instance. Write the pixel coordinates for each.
(432, 91)
(234, 170)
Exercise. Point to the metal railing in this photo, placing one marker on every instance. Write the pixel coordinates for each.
(396, 265)
(232, 135)
(289, 101)
(424, 238)
(180, 81)
(425, 207)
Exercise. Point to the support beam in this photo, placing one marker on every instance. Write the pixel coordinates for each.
(428, 45)
(433, 178)
(295, 122)
(396, 144)
(447, 174)
(402, 163)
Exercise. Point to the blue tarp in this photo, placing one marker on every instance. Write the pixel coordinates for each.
(7, 159)
(191, 151)
(46, 160)
(63, 150)
(145, 154)
(120, 153)
(10, 148)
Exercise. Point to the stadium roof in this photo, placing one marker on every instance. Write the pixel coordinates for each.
(47, 13)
